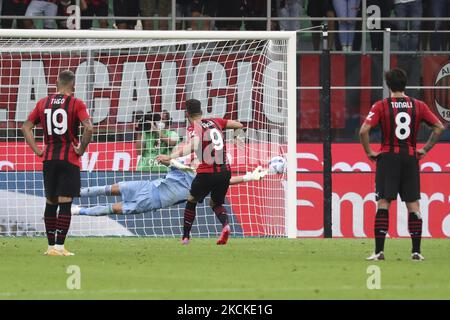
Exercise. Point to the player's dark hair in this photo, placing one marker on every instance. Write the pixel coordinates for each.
(169, 118)
(193, 107)
(66, 78)
(396, 79)
(144, 122)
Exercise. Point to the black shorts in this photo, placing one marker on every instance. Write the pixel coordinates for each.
(217, 183)
(129, 8)
(397, 174)
(11, 8)
(205, 7)
(319, 8)
(61, 178)
(100, 10)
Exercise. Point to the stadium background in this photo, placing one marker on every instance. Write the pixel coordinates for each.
(357, 81)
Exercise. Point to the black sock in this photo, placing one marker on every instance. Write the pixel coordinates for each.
(415, 230)
(221, 214)
(189, 217)
(63, 222)
(50, 222)
(381, 229)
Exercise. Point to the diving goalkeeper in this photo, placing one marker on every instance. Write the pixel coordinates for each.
(150, 195)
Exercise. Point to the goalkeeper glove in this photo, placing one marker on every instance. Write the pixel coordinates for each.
(256, 175)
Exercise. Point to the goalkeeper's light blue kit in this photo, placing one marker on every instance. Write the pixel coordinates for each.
(150, 195)
(144, 196)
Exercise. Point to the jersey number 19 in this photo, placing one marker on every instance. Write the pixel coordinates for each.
(56, 121)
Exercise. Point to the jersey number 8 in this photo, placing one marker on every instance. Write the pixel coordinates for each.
(402, 130)
(53, 125)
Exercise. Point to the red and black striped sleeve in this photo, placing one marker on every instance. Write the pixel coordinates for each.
(81, 110)
(426, 115)
(35, 115)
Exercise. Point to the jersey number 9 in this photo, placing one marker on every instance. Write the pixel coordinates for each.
(216, 139)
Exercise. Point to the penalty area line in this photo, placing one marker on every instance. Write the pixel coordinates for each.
(157, 291)
(218, 290)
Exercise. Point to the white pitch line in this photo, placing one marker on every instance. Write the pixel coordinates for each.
(151, 291)
(220, 290)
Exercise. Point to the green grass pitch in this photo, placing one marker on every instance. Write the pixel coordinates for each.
(149, 268)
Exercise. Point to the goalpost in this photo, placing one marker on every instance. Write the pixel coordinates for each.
(125, 75)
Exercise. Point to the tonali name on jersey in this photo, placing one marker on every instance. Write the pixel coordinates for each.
(212, 153)
(400, 119)
(401, 104)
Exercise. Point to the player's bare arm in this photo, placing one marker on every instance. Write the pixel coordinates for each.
(86, 138)
(27, 130)
(365, 141)
(183, 150)
(235, 125)
(437, 130)
(176, 164)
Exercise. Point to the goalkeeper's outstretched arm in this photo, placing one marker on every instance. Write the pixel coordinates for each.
(256, 175)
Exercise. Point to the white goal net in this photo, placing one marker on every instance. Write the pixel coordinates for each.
(127, 82)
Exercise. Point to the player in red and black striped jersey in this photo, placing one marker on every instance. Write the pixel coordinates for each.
(397, 170)
(206, 139)
(60, 116)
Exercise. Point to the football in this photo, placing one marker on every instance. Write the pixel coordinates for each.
(277, 165)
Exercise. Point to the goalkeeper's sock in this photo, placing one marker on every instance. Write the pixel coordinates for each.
(97, 211)
(415, 230)
(50, 222)
(63, 222)
(95, 191)
(189, 217)
(221, 214)
(381, 229)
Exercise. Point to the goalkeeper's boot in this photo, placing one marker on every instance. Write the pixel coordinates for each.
(75, 210)
(224, 235)
(417, 257)
(185, 241)
(376, 256)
